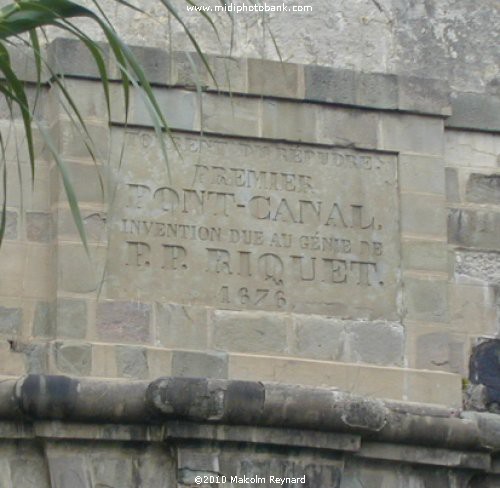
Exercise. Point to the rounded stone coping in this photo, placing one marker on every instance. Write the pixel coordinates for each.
(234, 402)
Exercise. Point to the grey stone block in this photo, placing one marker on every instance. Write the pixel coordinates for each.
(439, 351)
(44, 321)
(69, 470)
(249, 332)
(11, 320)
(181, 326)
(424, 95)
(131, 362)
(483, 188)
(71, 318)
(11, 225)
(36, 358)
(38, 226)
(70, 57)
(324, 84)
(190, 70)
(483, 266)
(376, 90)
(199, 365)
(452, 185)
(478, 111)
(319, 338)
(426, 300)
(156, 64)
(73, 359)
(474, 228)
(375, 342)
(271, 78)
(123, 321)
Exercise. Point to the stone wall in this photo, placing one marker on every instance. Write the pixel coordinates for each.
(316, 226)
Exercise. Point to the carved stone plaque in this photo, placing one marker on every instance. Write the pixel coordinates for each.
(243, 224)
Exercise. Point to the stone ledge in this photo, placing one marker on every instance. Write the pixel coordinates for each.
(35, 398)
(312, 83)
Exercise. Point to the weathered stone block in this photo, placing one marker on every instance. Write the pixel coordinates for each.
(190, 70)
(71, 318)
(250, 332)
(39, 279)
(411, 133)
(156, 64)
(73, 358)
(482, 266)
(474, 228)
(426, 299)
(452, 185)
(181, 326)
(199, 365)
(11, 362)
(94, 223)
(441, 351)
(13, 265)
(347, 127)
(425, 255)
(180, 109)
(483, 188)
(132, 362)
(271, 78)
(36, 358)
(104, 361)
(480, 111)
(38, 226)
(473, 309)
(376, 90)
(11, 225)
(329, 85)
(77, 272)
(466, 148)
(421, 174)
(423, 214)
(159, 362)
(230, 74)
(231, 115)
(120, 321)
(424, 95)
(88, 181)
(71, 57)
(289, 121)
(11, 320)
(319, 337)
(375, 342)
(44, 320)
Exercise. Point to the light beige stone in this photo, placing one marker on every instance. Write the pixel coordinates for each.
(382, 382)
(256, 225)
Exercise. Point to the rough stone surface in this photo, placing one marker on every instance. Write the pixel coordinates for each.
(10, 320)
(483, 188)
(375, 342)
(200, 365)
(44, 320)
(256, 332)
(484, 266)
(132, 362)
(74, 359)
(38, 226)
(71, 318)
(473, 228)
(123, 321)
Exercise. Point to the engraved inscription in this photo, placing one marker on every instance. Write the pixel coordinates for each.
(257, 225)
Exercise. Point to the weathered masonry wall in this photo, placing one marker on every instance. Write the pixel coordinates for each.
(315, 226)
(62, 432)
